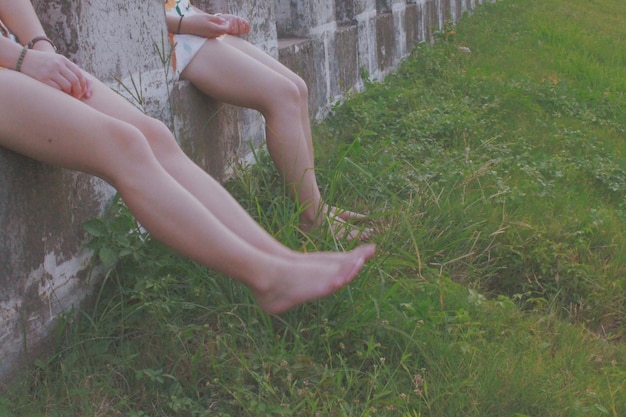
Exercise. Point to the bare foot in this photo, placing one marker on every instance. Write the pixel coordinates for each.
(343, 224)
(345, 215)
(348, 231)
(310, 278)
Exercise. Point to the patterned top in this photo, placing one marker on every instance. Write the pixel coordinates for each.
(185, 46)
(177, 7)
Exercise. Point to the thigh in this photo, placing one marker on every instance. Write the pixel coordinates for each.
(230, 75)
(260, 56)
(112, 104)
(48, 125)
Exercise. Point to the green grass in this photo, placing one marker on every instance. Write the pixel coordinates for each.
(497, 180)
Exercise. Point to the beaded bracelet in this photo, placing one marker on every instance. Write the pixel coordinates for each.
(18, 66)
(41, 38)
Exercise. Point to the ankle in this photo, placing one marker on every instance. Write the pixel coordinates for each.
(313, 216)
(308, 223)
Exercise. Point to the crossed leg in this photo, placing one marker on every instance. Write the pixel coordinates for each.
(60, 130)
(236, 72)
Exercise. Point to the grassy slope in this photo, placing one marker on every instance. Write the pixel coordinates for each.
(499, 289)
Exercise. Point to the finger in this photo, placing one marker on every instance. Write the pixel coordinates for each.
(62, 83)
(244, 26)
(237, 27)
(53, 84)
(218, 20)
(75, 77)
(88, 88)
(222, 26)
(222, 29)
(82, 79)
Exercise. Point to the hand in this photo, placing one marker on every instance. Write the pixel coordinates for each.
(213, 26)
(205, 25)
(236, 25)
(58, 72)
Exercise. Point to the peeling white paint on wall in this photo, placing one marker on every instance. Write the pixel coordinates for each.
(57, 287)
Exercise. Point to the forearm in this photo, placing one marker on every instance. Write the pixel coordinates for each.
(172, 23)
(20, 18)
(195, 24)
(9, 53)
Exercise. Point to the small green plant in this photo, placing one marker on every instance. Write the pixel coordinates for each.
(134, 91)
(446, 32)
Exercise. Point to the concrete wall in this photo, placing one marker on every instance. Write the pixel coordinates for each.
(44, 267)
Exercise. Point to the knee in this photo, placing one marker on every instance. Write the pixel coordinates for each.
(286, 98)
(303, 89)
(128, 155)
(158, 135)
(297, 90)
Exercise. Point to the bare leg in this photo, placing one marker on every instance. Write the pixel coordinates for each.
(245, 76)
(195, 180)
(303, 91)
(313, 214)
(61, 130)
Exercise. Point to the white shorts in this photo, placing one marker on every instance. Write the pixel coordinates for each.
(185, 48)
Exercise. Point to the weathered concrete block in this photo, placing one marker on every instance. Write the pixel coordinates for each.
(344, 13)
(457, 9)
(206, 129)
(305, 58)
(413, 26)
(116, 41)
(367, 48)
(353, 8)
(43, 263)
(431, 18)
(213, 6)
(398, 11)
(385, 41)
(261, 15)
(123, 45)
(344, 68)
(445, 10)
(299, 18)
